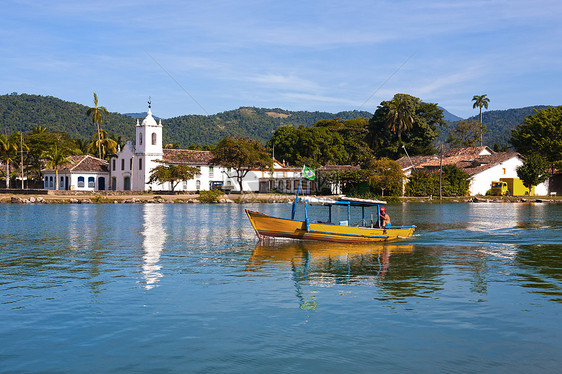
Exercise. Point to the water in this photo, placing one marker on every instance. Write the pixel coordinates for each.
(184, 288)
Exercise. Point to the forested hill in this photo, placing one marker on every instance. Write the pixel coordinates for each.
(256, 123)
(24, 112)
(499, 123)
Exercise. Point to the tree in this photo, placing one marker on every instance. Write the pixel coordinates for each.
(42, 141)
(533, 171)
(418, 139)
(242, 155)
(385, 175)
(173, 174)
(104, 144)
(465, 133)
(56, 157)
(479, 102)
(97, 113)
(540, 133)
(399, 117)
(9, 152)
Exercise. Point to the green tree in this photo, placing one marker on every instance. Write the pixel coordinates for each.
(418, 139)
(399, 117)
(56, 156)
(242, 155)
(533, 171)
(39, 142)
(9, 152)
(97, 113)
(480, 101)
(540, 133)
(465, 133)
(385, 175)
(103, 143)
(174, 174)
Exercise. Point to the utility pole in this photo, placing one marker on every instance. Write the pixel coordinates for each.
(21, 152)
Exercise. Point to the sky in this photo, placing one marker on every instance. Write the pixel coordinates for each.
(206, 57)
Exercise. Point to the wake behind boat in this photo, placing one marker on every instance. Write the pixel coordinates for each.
(307, 229)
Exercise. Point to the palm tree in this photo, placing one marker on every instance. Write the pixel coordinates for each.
(480, 101)
(104, 143)
(56, 156)
(97, 118)
(9, 152)
(399, 117)
(38, 130)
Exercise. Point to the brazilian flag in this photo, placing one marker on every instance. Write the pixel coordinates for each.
(308, 173)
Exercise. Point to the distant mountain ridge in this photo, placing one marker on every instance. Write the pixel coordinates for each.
(22, 112)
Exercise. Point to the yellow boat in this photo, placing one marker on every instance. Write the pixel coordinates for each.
(274, 227)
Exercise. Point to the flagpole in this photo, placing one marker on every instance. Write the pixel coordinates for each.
(297, 197)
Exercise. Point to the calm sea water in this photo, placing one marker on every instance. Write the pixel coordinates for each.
(185, 288)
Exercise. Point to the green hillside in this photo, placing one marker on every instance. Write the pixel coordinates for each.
(499, 123)
(24, 112)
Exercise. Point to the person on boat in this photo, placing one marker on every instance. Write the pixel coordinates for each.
(385, 218)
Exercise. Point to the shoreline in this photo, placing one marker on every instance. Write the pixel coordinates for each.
(67, 197)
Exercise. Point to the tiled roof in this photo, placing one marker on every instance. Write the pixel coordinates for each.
(84, 163)
(187, 157)
(468, 159)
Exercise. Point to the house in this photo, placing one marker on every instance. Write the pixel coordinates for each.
(481, 163)
(283, 179)
(82, 173)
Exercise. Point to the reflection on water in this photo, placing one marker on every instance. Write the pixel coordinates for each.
(154, 237)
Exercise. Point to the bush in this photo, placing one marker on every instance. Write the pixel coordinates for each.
(210, 197)
(455, 182)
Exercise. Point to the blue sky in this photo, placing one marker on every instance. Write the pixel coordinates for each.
(205, 57)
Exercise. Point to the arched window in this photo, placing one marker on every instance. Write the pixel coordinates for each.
(91, 182)
(81, 182)
(153, 138)
(140, 138)
(197, 185)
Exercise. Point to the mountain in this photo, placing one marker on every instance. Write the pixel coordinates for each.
(23, 112)
(499, 123)
(449, 117)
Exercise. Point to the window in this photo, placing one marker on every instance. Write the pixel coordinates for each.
(91, 182)
(131, 164)
(122, 164)
(504, 171)
(153, 138)
(140, 138)
(288, 185)
(211, 172)
(184, 185)
(50, 181)
(197, 185)
(81, 182)
(140, 163)
(114, 168)
(114, 183)
(61, 183)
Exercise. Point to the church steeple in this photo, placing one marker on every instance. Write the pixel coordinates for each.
(149, 134)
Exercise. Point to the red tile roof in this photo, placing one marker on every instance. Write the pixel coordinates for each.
(187, 157)
(84, 163)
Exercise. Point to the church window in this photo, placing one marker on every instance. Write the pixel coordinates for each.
(81, 182)
(122, 164)
(140, 163)
(153, 138)
(211, 172)
(91, 182)
(197, 185)
(131, 164)
(140, 138)
(114, 168)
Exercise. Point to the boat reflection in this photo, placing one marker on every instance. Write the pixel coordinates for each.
(330, 262)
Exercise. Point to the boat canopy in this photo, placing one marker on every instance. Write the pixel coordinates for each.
(347, 201)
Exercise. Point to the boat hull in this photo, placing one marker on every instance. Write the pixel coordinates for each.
(267, 226)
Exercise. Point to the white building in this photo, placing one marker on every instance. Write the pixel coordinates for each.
(481, 163)
(82, 173)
